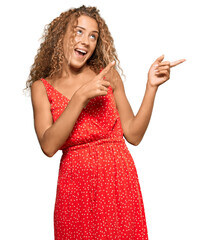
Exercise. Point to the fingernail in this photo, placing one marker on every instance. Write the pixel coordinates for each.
(155, 65)
(113, 62)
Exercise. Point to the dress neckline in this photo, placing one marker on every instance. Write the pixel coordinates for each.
(56, 90)
(60, 92)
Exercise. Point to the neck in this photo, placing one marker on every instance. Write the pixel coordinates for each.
(68, 71)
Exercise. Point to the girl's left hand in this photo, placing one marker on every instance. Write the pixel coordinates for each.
(159, 71)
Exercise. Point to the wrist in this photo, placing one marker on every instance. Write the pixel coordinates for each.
(151, 87)
(80, 99)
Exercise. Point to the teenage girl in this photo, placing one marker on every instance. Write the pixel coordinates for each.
(80, 107)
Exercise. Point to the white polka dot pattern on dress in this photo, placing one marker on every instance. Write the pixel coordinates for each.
(98, 192)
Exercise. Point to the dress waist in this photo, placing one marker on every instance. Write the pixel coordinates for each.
(96, 142)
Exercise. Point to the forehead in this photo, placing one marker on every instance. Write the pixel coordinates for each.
(88, 23)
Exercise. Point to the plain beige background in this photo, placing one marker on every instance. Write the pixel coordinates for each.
(172, 158)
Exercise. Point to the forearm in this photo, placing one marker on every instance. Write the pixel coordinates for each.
(141, 121)
(55, 136)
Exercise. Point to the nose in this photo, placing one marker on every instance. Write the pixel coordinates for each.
(85, 39)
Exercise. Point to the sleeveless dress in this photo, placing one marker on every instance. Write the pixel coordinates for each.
(98, 194)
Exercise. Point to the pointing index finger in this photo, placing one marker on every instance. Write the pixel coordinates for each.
(173, 64)
(106, 69)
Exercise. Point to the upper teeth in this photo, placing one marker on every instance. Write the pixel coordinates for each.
(81, 50)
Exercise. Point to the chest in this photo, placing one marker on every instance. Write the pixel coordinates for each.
(68, 87)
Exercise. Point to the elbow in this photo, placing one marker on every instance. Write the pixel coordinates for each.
(134, 137)
(136, 141)
(47, 147)
(48, 152)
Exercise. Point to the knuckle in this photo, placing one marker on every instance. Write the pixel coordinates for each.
(106, 82)
(105, 70)
(98, 85)
(99, 81)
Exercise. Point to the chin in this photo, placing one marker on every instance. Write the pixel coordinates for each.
(77, 66)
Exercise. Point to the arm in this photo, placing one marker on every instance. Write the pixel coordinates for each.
(51, 136)
(139, 123)
(134, 127)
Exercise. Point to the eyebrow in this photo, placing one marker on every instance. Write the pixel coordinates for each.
(85, 29)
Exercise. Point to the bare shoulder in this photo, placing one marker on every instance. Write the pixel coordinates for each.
(38, 93)
(37, 87)
(118, 86)
(120, 97)
(50, 80)
(113, 77)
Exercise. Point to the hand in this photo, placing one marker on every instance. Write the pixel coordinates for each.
(98, 86)
(159, 71)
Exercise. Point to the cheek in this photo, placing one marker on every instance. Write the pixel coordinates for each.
(77, 39)
(67, 52)
(66, 48)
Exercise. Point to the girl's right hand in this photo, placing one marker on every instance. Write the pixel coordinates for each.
(96, 87)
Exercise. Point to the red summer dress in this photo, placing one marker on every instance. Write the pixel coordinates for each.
(98, 193)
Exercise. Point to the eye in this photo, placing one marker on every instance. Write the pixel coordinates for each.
(79, 32)
(93, 36)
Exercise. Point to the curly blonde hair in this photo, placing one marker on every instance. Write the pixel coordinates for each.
(50, 56)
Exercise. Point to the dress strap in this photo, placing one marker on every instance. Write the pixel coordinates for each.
(48, 89)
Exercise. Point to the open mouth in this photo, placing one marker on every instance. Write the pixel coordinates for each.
(80, 52)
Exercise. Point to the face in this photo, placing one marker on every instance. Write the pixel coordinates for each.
(86, 35)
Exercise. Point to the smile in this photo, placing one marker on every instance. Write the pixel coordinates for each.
(80, 52)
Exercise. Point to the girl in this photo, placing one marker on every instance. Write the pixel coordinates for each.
(80, 107)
